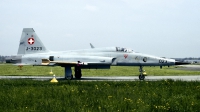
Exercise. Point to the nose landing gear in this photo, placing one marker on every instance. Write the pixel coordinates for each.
(142, 73)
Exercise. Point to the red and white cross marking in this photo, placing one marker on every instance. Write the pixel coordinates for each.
(31, 41)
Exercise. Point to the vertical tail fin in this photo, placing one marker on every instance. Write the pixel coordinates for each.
(30, 43)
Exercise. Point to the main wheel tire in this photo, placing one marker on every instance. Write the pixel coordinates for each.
(78, 75)
(78, 72)
(69, 77)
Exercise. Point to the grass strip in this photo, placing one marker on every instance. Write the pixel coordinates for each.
(8, 69)
(77, 96)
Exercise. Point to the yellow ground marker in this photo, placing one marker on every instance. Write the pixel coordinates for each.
(51, 72)
(54, 79)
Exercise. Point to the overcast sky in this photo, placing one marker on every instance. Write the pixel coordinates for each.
(166, 28)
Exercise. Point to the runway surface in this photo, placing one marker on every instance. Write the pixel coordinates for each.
(106, 78)
(189, 67)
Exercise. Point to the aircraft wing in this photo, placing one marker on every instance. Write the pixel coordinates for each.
(19, 64)
(48, 62)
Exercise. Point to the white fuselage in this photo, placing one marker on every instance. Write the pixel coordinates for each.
(99, 56)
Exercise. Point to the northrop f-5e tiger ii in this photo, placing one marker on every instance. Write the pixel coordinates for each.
(32, 52)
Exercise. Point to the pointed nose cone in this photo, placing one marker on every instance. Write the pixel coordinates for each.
(181, 63)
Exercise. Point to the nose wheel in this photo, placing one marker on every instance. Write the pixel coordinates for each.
(141, 76)
(142, 73)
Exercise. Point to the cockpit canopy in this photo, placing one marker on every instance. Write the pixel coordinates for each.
(121, 49)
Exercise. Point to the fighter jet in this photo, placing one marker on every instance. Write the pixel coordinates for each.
(33, 52)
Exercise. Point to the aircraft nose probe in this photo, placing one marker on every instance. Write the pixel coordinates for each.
(181, 63)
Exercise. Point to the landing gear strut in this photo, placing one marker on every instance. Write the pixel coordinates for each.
(142, 72)
(68, 73)
(78, 73)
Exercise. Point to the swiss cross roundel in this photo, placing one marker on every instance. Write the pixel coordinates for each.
(31, 41)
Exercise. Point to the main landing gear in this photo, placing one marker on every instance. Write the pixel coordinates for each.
(68, 72)
(78, 73)
(142, 73)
